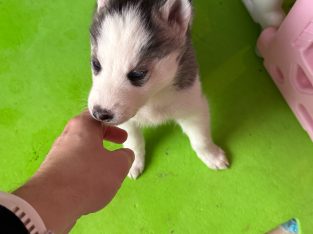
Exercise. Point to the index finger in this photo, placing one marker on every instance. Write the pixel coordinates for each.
(114, 134)
(83, 124)
(110, 133)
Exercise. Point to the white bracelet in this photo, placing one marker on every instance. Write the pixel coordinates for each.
(25, 212)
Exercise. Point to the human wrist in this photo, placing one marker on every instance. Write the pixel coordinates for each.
(23, 212)
(52, 202)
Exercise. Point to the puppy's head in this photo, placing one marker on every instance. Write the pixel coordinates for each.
(136, 48)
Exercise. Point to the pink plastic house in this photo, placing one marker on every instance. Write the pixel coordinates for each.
(288, 54)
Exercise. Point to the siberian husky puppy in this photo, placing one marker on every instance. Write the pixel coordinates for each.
(145, 73)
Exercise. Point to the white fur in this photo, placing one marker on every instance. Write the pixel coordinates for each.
(118, 48)
(157, 101)
(190, 110)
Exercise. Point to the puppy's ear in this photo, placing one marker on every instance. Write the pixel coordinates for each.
(101, 3)
(177, 14)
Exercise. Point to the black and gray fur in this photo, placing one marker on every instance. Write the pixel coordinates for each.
(163, 40)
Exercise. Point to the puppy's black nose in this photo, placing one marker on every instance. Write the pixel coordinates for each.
(102, 114)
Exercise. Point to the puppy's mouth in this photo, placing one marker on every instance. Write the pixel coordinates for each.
(115, 121)
(112, 123)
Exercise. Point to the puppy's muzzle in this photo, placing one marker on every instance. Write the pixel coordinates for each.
(102, 114)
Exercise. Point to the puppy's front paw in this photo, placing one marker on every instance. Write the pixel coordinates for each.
(215, 158)
(136, 169)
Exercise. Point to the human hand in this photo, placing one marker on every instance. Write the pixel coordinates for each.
(78, 176)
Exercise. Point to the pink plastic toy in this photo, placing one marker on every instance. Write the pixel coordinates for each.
(288, 57)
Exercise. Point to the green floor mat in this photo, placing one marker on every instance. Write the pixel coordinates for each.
(44, 81)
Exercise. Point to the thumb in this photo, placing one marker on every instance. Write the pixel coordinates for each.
(122, 160)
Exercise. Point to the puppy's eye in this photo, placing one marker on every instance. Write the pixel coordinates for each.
(96, 66)
(137, 78)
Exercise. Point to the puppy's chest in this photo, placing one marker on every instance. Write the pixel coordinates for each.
(154, 115)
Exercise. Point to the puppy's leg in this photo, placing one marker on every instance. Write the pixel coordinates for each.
(197, 127)
(136, 143)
